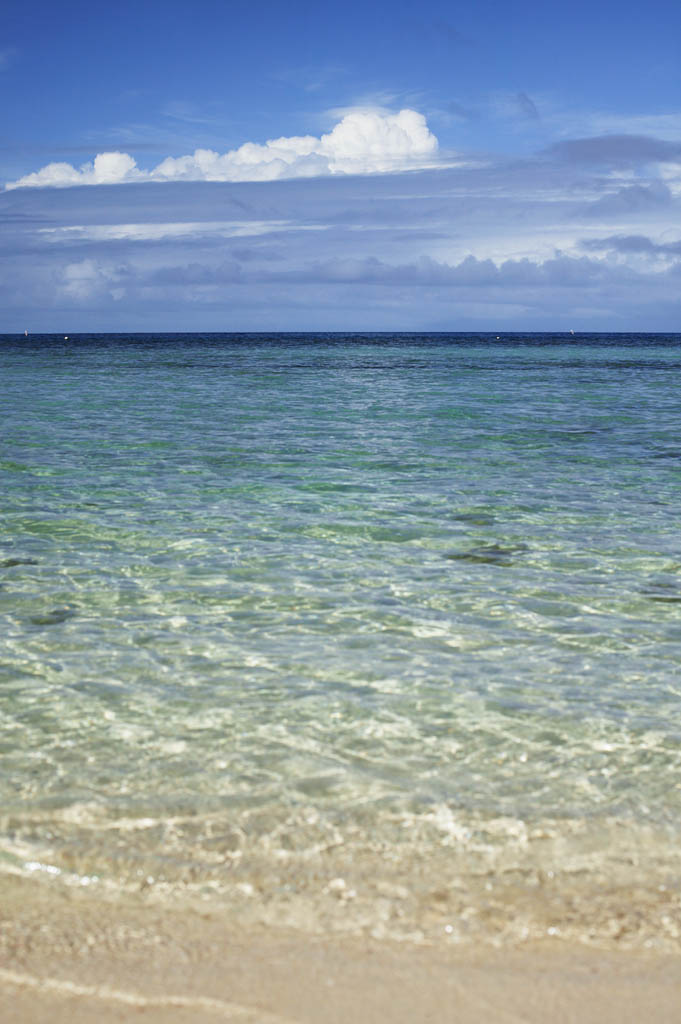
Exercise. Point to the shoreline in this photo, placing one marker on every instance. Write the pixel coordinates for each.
(492, 884)
(74, 955)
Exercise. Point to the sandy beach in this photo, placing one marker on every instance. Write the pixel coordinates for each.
(68, 954)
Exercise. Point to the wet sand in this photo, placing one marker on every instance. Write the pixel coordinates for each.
(74, 955)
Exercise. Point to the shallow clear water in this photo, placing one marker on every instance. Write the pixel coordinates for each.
(278, 612)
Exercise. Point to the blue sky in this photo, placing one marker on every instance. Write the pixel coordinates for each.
(290, 166)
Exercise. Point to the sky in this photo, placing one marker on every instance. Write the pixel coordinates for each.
(274, 166)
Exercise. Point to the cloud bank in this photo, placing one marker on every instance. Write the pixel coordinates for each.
(560, 240)
(363, 142)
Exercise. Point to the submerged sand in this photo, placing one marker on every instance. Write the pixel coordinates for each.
(79, 955)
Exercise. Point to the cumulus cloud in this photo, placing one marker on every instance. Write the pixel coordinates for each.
(363, 142)
(561, 271)
(88, 279)
(106, 169)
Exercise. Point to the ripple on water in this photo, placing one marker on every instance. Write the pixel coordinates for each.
(350, 637)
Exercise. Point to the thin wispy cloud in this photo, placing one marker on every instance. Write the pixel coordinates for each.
(460, 111)
(181, 110)
(630, 200)
(311, 78)
(155, 232)
(7, 57)
(448, 32)
(616, 150)
(527, 106)
(667, 125)
(638, 244)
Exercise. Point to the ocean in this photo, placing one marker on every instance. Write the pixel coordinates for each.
(374, 634)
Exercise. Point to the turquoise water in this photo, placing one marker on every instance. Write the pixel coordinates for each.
(283, 612)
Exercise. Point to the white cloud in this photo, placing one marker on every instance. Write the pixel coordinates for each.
(110, 168)
(87, 279)
(367, 141)
(363, 142)
(107, 169)
(671, 173)
(166, 231)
